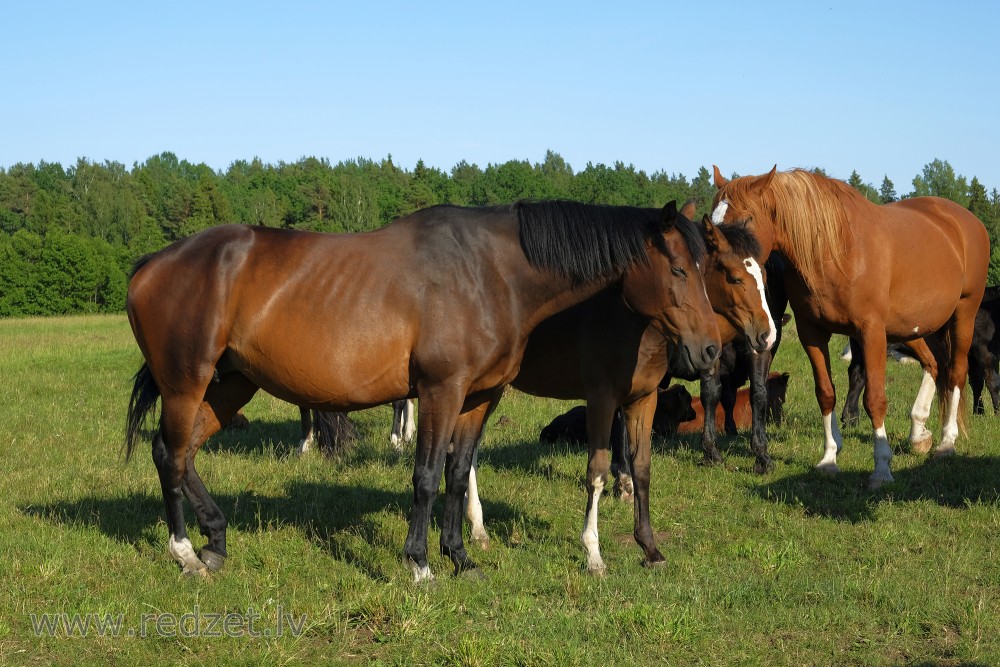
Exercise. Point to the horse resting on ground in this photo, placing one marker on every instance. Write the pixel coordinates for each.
(437, 305)
(603, 352)
(860, 269)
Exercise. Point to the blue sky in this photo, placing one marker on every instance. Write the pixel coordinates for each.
(880, 87)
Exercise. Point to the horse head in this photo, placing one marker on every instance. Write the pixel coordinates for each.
(735, 283)
(739, 201)
(669, 289)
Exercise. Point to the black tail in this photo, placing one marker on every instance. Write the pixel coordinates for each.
(335, 433)
(145, 393)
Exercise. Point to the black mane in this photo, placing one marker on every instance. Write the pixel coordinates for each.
(585, 242)
(741, 240)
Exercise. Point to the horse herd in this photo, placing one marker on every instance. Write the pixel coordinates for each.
(449, 305)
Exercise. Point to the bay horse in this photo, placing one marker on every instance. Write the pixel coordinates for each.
(860, 269)
(436, 305)
(603, 352)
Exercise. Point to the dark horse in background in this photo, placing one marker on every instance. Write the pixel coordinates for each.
(437, 305)
(860, 269)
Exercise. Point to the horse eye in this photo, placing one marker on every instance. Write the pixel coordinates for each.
(733, 280)
(678, 271)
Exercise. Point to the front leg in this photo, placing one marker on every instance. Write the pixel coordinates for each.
(855, 383)
(761, 363)
(438, 408)
(458, 473)
(816, 343)
(638, 419)
(711, 390)
(600, 412)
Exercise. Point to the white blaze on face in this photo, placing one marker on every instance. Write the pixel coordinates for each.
(719, 214)
(754, 270)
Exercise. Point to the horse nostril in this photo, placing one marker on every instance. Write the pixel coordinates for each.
(712, 352)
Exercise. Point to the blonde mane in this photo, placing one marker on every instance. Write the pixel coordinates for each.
(805, 208)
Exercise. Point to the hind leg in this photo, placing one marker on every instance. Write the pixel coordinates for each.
(921, 438)
(170, 455)
(222, 400)
(855, 383)
(308, 431)
(961, 324)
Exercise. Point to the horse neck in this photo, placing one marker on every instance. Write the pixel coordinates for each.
(554, 294)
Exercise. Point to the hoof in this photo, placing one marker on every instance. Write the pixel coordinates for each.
(763, 466)
(421, 573)
(470, 571)
(195, 570)
(624, 489)
(711, 461)
(597, 570)
(944, 451)
(212, 560)
(657, 560)
(922, 446)
(828, 468)
(875, 482)
(483, 542)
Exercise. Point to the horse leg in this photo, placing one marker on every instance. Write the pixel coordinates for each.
(474, 508)
(170, 455)
(920, 437)
(711, 389)
(993, 383)
(728, 400)
(761, 365)
(873, 343)
(961, 324)
(308, 433)
(409, 421)
(396, 436)
(816, 343)
(621, 466)
(855, 383)
(638, 417)
(439, 408)
(403, 423)
(458, 468)
(600, 413)
(222, 400)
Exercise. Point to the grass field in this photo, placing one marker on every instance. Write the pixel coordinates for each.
(793, 568)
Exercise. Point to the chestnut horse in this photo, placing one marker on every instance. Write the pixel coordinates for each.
(605, 353)
(861, 269)
(437, 305)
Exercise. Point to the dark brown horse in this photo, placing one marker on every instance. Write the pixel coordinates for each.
(437, 305)
(604, 352)
(860, 269)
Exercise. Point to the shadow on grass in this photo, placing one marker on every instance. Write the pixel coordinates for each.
(330, 515)
(955, 482)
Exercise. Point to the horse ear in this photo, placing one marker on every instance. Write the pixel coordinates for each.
(710, 233)
(766, 179)
(668, 216)
(720, 180)
(689, 208)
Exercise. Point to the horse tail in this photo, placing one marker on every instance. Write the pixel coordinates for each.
(145, 393)
(335, 432)
(944, 370)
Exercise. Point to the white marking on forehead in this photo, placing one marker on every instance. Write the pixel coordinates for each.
(754, 270)
(719, 214)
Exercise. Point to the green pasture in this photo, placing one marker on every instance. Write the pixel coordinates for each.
(793, 568)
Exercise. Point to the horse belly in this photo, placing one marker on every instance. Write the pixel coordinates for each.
(326, 373)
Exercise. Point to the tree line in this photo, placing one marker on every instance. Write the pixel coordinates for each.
(68, 236)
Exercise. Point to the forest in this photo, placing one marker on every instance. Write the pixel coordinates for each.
(69, 235)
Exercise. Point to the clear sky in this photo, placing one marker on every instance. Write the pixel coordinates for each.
(878, 87)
